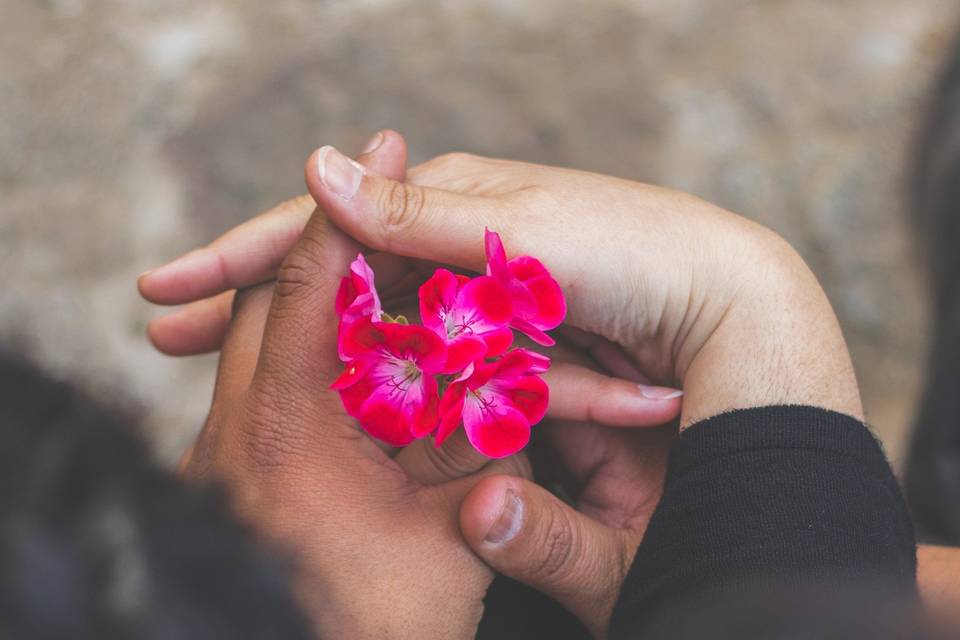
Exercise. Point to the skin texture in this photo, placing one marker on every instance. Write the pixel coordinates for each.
(661, 287)
(697, 297)
(366, 529)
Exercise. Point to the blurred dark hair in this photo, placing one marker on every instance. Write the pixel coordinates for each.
(98, 541)
(935, 185)
(933, 471)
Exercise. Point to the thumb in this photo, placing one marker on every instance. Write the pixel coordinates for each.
(400, 217)
(523, 531)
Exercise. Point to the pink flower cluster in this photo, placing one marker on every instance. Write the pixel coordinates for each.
(403, 381)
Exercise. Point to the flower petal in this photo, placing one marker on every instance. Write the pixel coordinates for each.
(451, 411)
(482, 372)
(360, 339)
(426, 414)
(532, 332)
(540, 362)
(498, 341)
(358, 292)
(356, 394)
(483, 304)
(353, 371)
(386, 420)
(415, 343)
(345, 295)
(363, 272)
(496, 433)
(397, 414)
(528, 394)
(524, 304)
(437, 296)
(496, 256)
(521, 361)
(526, 268)
(462, 351)
(467, 372)
(514, 364)
(551, 307)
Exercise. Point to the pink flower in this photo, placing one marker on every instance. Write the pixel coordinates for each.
(394, 371)
(389, 384)
(497, 403)
(357, 297)
(470, 315)
(538, 303)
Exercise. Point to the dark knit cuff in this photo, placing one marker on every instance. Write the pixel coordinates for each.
(777, 427)
(781, 496)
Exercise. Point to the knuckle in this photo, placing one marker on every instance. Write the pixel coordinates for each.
(447, 162)
(302, 204)
(402, 205)
(299, 270)
(456, 160)
(519, 465)
(558, 547)
(461, 172)
(454, 462)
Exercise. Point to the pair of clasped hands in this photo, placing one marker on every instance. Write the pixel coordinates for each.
(664, 292)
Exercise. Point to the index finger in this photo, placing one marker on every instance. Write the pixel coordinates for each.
(251, 252)
(246, 255)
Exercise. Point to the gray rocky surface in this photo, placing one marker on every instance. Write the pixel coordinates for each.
(131, 130)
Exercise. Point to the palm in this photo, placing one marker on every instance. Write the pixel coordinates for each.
(614, 475)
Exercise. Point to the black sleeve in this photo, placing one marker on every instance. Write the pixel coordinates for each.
(785, 496)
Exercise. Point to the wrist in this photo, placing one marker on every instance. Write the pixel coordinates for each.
(778, 341)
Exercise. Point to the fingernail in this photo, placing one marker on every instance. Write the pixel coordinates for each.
(659, 393)
(339, 173)
(508, 522)
(145, 273)
(374, 143)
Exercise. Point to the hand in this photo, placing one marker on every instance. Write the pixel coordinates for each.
(375, 538)
(576, 553)
(206, 278)
(696, 296)
(619, 485)
(648, 257)
(616, 475)
(251, 254)
(205, 281)
(616, 448)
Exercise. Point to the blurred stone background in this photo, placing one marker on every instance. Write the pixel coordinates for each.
(133, 130)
